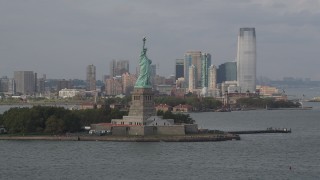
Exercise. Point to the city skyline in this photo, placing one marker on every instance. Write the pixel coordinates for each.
(60, 38)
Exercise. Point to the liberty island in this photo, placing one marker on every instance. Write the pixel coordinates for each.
(142, 122)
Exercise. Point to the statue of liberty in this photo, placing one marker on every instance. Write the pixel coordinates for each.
(143, 80)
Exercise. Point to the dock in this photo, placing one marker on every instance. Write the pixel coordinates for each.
(268, 130)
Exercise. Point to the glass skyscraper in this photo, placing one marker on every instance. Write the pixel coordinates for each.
(201, 61)
(179, 68)
(227, 72)
(205, 64)
(246, 60)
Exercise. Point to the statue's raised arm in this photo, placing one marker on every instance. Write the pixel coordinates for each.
(143, 80)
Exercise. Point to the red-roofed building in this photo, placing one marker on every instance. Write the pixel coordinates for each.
(182, 108)
(163, 107)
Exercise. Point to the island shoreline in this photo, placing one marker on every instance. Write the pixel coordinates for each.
(185, 138)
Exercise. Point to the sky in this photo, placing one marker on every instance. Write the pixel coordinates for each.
(60, 38)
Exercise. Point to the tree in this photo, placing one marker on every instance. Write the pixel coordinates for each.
(178, 118)
(55, 125)
(71, 122)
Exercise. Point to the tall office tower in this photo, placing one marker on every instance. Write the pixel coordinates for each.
(117, 68)
(227, 72)
(212, 78)
(192, 78)
(179, 68)
(91, 78)
(197, 59)
(192, 58)
(205, 64)
(25, 82)
(246, 60)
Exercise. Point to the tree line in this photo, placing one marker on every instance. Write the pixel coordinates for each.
(55, 120)
(266, 102)
(198, 103)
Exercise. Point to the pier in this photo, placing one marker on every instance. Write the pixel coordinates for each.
(268, 130)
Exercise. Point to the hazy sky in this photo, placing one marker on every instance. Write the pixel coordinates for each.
(61, 37)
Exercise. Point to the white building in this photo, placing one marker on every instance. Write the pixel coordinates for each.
(67, 93)
(212, 80)
(192, 78)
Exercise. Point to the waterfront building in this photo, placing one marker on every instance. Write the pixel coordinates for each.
(271, 92)
(91, 78)
(192, 78)
(119, 67)
(182, 108)
(227, 72)
(179, 69)
(24, 82)
(267, 90)
(246, 60)
(163, 107)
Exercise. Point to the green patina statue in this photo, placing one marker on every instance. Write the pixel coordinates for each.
(143, 80)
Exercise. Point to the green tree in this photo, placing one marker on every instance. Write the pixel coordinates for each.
(55, 125)
(178, 117)
(71, 122)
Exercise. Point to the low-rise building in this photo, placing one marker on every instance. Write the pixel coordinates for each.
(182, 108)
(163, 107)
(68, 93)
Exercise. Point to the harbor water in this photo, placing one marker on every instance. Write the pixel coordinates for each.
(258, 156)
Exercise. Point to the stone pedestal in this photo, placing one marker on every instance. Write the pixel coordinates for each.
(142, 103)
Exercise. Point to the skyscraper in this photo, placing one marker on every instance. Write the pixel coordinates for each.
(192, 78)
(179, 68)
(205, 64)
(117, 68)
(192, 58)
(227, 72)
(91, 78)
(25, 82)
(212, 78)
(246, 60)
(201, 61)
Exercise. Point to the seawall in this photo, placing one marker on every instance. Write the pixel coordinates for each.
(186, 138)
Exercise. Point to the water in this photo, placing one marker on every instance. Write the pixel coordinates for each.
(260, 156)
